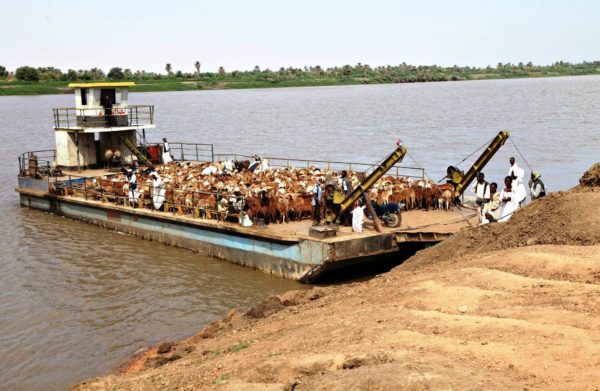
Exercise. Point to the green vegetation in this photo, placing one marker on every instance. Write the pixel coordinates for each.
(116, 73)
(32, 81)
(223, 378)
(237, 347)
(27, 74)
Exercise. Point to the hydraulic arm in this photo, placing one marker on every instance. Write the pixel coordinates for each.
(369, 180)
(461, 180)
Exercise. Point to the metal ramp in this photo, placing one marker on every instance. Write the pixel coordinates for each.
(421, 237)
(141, 157)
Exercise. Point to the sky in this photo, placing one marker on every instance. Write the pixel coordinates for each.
(237, 34)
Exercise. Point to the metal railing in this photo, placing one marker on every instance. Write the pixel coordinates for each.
(193, 203)
(192, 151)
(36, 164)
(205, 152)
(278, 162)
(118, 116)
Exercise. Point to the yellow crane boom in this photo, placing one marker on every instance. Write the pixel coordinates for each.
(369, 181)
(461, 180)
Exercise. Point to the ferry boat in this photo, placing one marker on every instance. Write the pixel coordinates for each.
(102, 133)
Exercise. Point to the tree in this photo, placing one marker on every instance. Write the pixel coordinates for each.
(49, 73)
(116, 73)
(179, 74)
(3, 71)
(84, 74)
(197, 66)
(168, 68)
(97, 73)
(27, 74)
(71, 75)
(221, 71)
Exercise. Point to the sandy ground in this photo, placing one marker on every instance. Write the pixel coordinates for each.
(513, 305)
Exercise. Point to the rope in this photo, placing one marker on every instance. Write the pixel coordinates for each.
(417, 163)
(471, 154)
(520, 154)
(475, 151)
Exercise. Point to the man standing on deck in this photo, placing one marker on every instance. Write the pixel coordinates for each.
(166, 152)
(482, 190)
(346, 217)
(517, 173)
(158, 191)
(317, 201)
(107, 104)
(132, 182)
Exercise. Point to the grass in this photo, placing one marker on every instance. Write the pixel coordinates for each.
(223, 378)
(237, 347)
(232, 349)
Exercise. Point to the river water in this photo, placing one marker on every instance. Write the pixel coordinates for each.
(76, 300)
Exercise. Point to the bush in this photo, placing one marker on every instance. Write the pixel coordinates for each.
(3, 72)
(27, 74)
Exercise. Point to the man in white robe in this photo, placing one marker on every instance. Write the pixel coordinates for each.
(518, 187)
(358, 218)
(158, 191)
(166, 153)
(508, 200)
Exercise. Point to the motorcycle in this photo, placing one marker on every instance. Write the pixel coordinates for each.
(390, 214)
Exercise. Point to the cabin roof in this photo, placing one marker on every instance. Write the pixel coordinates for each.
(102, 84)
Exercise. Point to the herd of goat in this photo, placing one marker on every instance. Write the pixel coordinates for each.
(223, 189)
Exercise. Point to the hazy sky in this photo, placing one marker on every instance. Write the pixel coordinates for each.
(239, 34)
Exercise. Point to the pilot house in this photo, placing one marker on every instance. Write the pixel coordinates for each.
(102, 128)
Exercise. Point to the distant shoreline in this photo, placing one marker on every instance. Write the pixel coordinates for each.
(53, 87)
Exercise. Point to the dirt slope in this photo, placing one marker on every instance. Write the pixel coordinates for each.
(513, 305)
(562, 218)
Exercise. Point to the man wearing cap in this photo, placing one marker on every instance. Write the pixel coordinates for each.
(536, 186)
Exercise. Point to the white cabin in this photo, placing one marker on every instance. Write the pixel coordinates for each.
(102, 128)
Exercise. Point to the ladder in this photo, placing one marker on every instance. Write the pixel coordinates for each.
(142, 158)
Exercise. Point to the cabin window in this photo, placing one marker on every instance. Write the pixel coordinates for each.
(84, 96)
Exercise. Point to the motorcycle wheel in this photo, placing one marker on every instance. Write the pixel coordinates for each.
(393, 220)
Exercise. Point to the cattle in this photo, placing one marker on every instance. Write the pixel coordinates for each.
(225, 190)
